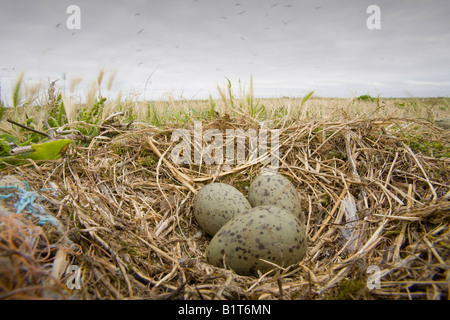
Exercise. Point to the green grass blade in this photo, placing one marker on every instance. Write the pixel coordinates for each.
(16, 93)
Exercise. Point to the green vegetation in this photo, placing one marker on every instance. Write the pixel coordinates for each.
(349, 289)
(428, 147)
(407, 105)
(16, 97)
(42, 113)
(366, 98)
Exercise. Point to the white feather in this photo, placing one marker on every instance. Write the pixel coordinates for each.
(349, 206)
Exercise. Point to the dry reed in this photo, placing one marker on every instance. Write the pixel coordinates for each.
(128, 209)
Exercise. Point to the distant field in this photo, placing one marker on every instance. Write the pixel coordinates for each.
(35, 104)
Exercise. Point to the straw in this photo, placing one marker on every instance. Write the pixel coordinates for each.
(129, 209)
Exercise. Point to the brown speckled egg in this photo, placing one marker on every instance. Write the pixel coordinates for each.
(216, 203)
(272, 189)
(267, 232)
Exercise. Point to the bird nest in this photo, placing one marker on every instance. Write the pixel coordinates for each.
(375, 192)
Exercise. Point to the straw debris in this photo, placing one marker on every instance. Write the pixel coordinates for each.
(130, 232)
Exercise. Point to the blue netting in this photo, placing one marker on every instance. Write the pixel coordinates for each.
(25, 200)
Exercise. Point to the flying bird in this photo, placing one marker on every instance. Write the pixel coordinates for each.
(58, 25)
(140, 31)
(274, 5)
(285, 22)
(137, 14)
(242, 12)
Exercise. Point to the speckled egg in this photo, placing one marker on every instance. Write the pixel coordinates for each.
(275, 189)
(263, 233)
(216, 203)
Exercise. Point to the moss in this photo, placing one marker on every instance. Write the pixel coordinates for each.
(147, 161)
(118, 149)
(242, 185)
(432, 148)
(325, 201)
(443, 155)
(349, 289)
(134, 252)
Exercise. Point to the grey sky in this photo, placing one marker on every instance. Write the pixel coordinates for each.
(290, 47)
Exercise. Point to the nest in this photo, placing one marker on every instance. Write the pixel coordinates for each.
(375, 193)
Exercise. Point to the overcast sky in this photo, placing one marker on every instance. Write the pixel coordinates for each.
(188, 47)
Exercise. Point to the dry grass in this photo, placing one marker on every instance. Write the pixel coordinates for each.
(128, 223)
